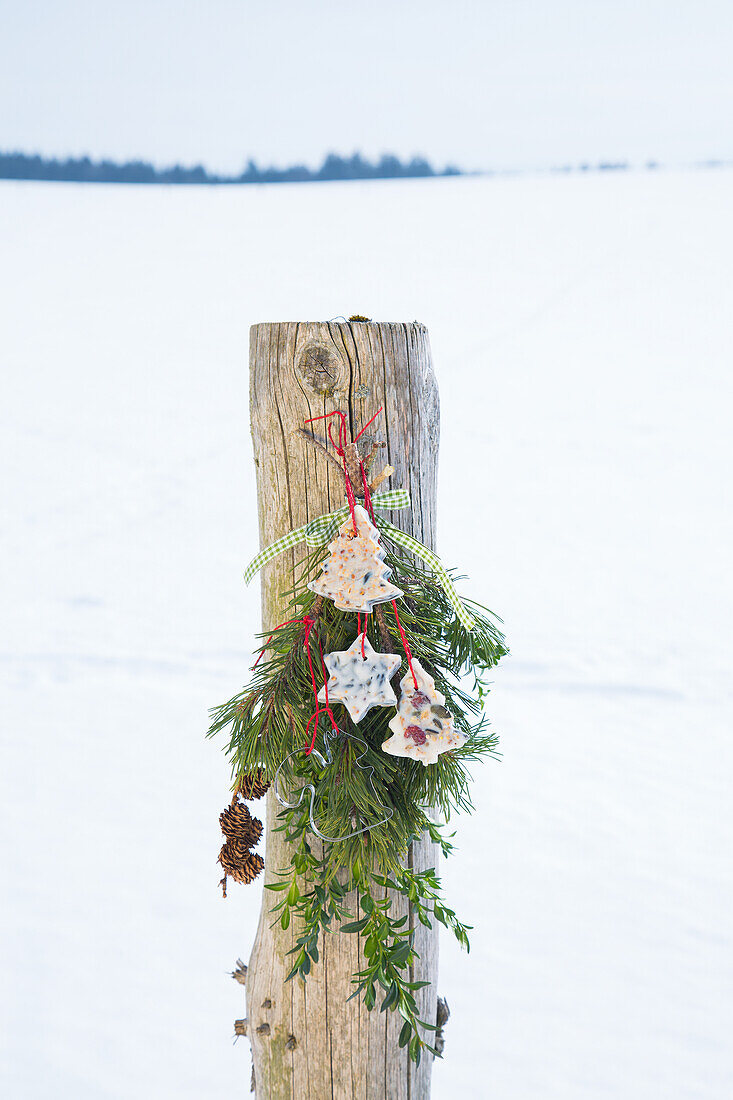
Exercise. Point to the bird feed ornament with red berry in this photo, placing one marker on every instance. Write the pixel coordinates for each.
(423, 727)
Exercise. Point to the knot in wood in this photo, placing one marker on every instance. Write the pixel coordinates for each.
(319, 368)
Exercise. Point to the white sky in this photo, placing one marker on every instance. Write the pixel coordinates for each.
(484, 84)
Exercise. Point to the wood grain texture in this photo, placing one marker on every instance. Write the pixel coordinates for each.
(308, 1043)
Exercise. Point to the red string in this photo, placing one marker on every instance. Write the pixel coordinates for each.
(361, 632)
(325, 682)
(351, 499)
(262, 651)
(340, 451)
(309, 624)
(337, 446)
(405, 643)
(368, 423)
(313, 720)
(367, 494)
(342, 427)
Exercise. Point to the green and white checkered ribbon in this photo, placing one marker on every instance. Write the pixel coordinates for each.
(322, 529)
(433, 562)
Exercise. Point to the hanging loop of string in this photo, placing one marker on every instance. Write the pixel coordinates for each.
(362, 633)
(370, 421)
(326, 757)
(405, 644)
(309, 623)
(319, 709)
(367, 495)
(278, 627)
(339, 445)
(340, 449)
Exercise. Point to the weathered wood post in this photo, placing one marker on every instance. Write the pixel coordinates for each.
(308, 1043)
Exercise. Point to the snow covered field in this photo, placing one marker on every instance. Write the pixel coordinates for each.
(581, 334)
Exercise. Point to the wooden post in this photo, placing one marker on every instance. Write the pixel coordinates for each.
(308, 1043)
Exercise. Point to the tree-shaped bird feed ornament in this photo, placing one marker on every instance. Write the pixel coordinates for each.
(354, 574)
(423, 727)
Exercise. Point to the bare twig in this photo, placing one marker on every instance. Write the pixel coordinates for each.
(370, 457)
(386, 472)
(321, 446)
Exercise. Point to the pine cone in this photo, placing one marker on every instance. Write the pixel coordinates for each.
(252, 786)
(243, 866)
(238, 824)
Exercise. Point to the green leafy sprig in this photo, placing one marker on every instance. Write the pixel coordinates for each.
(386, 934)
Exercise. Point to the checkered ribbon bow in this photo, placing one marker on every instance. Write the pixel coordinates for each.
(322, 529)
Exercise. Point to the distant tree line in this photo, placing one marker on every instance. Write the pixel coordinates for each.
(20, 166)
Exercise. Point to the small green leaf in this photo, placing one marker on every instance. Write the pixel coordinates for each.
(405, 1034)
(285, 919)
(293, 894)
(356, 925)
(400, 955)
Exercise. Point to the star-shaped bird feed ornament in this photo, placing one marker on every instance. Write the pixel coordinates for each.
(360, 678)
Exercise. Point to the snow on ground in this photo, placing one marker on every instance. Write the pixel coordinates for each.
(580, 333)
